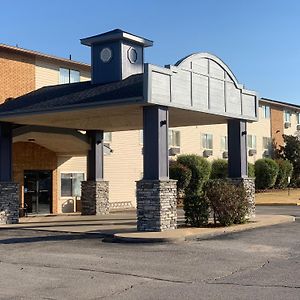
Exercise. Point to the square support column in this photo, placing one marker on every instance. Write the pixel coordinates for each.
(95, 191)
(238, 162)
(156, 193)
(9, 191)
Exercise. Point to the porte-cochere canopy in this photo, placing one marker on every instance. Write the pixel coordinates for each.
(199, 89)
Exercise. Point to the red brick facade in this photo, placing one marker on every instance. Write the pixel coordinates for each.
(17, 74)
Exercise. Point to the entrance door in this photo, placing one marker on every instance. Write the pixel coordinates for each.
(38, 191)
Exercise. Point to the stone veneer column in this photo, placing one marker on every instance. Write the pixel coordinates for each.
(156, 205)
(94, 197)
(9, 203)
(249, 186)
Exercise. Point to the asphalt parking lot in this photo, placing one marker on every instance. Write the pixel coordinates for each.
(256, 264)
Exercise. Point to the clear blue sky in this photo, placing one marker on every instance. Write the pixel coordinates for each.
(258, 40)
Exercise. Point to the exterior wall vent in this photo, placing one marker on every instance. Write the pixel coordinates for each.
(207, 153)
(287, 124)
(116, 55)
(225, 154)
(174, 151)
(252, 152)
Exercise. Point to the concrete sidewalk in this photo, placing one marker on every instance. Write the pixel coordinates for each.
(121, 227)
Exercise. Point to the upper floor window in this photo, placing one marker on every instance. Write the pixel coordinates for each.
(224, 143)
(174, 138)
(68, 76)
(207, 141)
(265, 111)
(107, 137)
(267, 143)
(251, 141)
(287, 116)
(298, 118)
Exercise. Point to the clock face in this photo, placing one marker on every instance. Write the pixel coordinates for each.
(106, 55)
(132, 55)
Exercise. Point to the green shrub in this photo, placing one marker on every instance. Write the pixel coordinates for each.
(228, 201)
(219, 169)
(285, 170)
(180, 173)
(196, 210)
(266, 171)
(251, 170)
(200, 168)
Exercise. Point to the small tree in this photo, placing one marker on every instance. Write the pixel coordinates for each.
(200, 168)
(266, 171)
(219, 169)
(195, 205)
(291, 151)
(182, 174)
(285, 171)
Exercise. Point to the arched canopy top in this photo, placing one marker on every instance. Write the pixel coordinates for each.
(208, 63)
(201, 82)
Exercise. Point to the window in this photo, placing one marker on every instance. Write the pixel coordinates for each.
(107, 137)
(207, 141)
(251, 141)
(68, 76)
(287, 116)
(141, 137)
(267, 142)
(71, 184)
(265, 111)
(174, 138)
(224, 143)
(298, 118)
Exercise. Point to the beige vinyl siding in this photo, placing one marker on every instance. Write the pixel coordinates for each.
(68, 164)
(46, 73)
(294, 122)
(124, 166)
(85, 76)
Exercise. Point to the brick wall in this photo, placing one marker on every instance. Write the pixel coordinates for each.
(17, 74)
(30, 156)
(277, 129)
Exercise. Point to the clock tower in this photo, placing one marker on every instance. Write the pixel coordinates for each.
(116, 55)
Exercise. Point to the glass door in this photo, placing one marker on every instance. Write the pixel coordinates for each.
(38, 191)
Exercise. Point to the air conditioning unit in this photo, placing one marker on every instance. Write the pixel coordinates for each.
(287, 124)
(298, 127)
(252, 152)
(225, 154)
(207, 153)
(174, 151)
(266, 153)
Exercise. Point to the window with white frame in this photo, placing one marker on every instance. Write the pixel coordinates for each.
(68, 76)
(287, 116)
(265, 111)
(141, 137)
(107, 137)
(207, 141)
(298, 118)
(71, 184)
(174, 138)
(267, 143)
(251, 141)
(224, 143)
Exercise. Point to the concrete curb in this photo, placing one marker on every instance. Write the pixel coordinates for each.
(187, 234)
